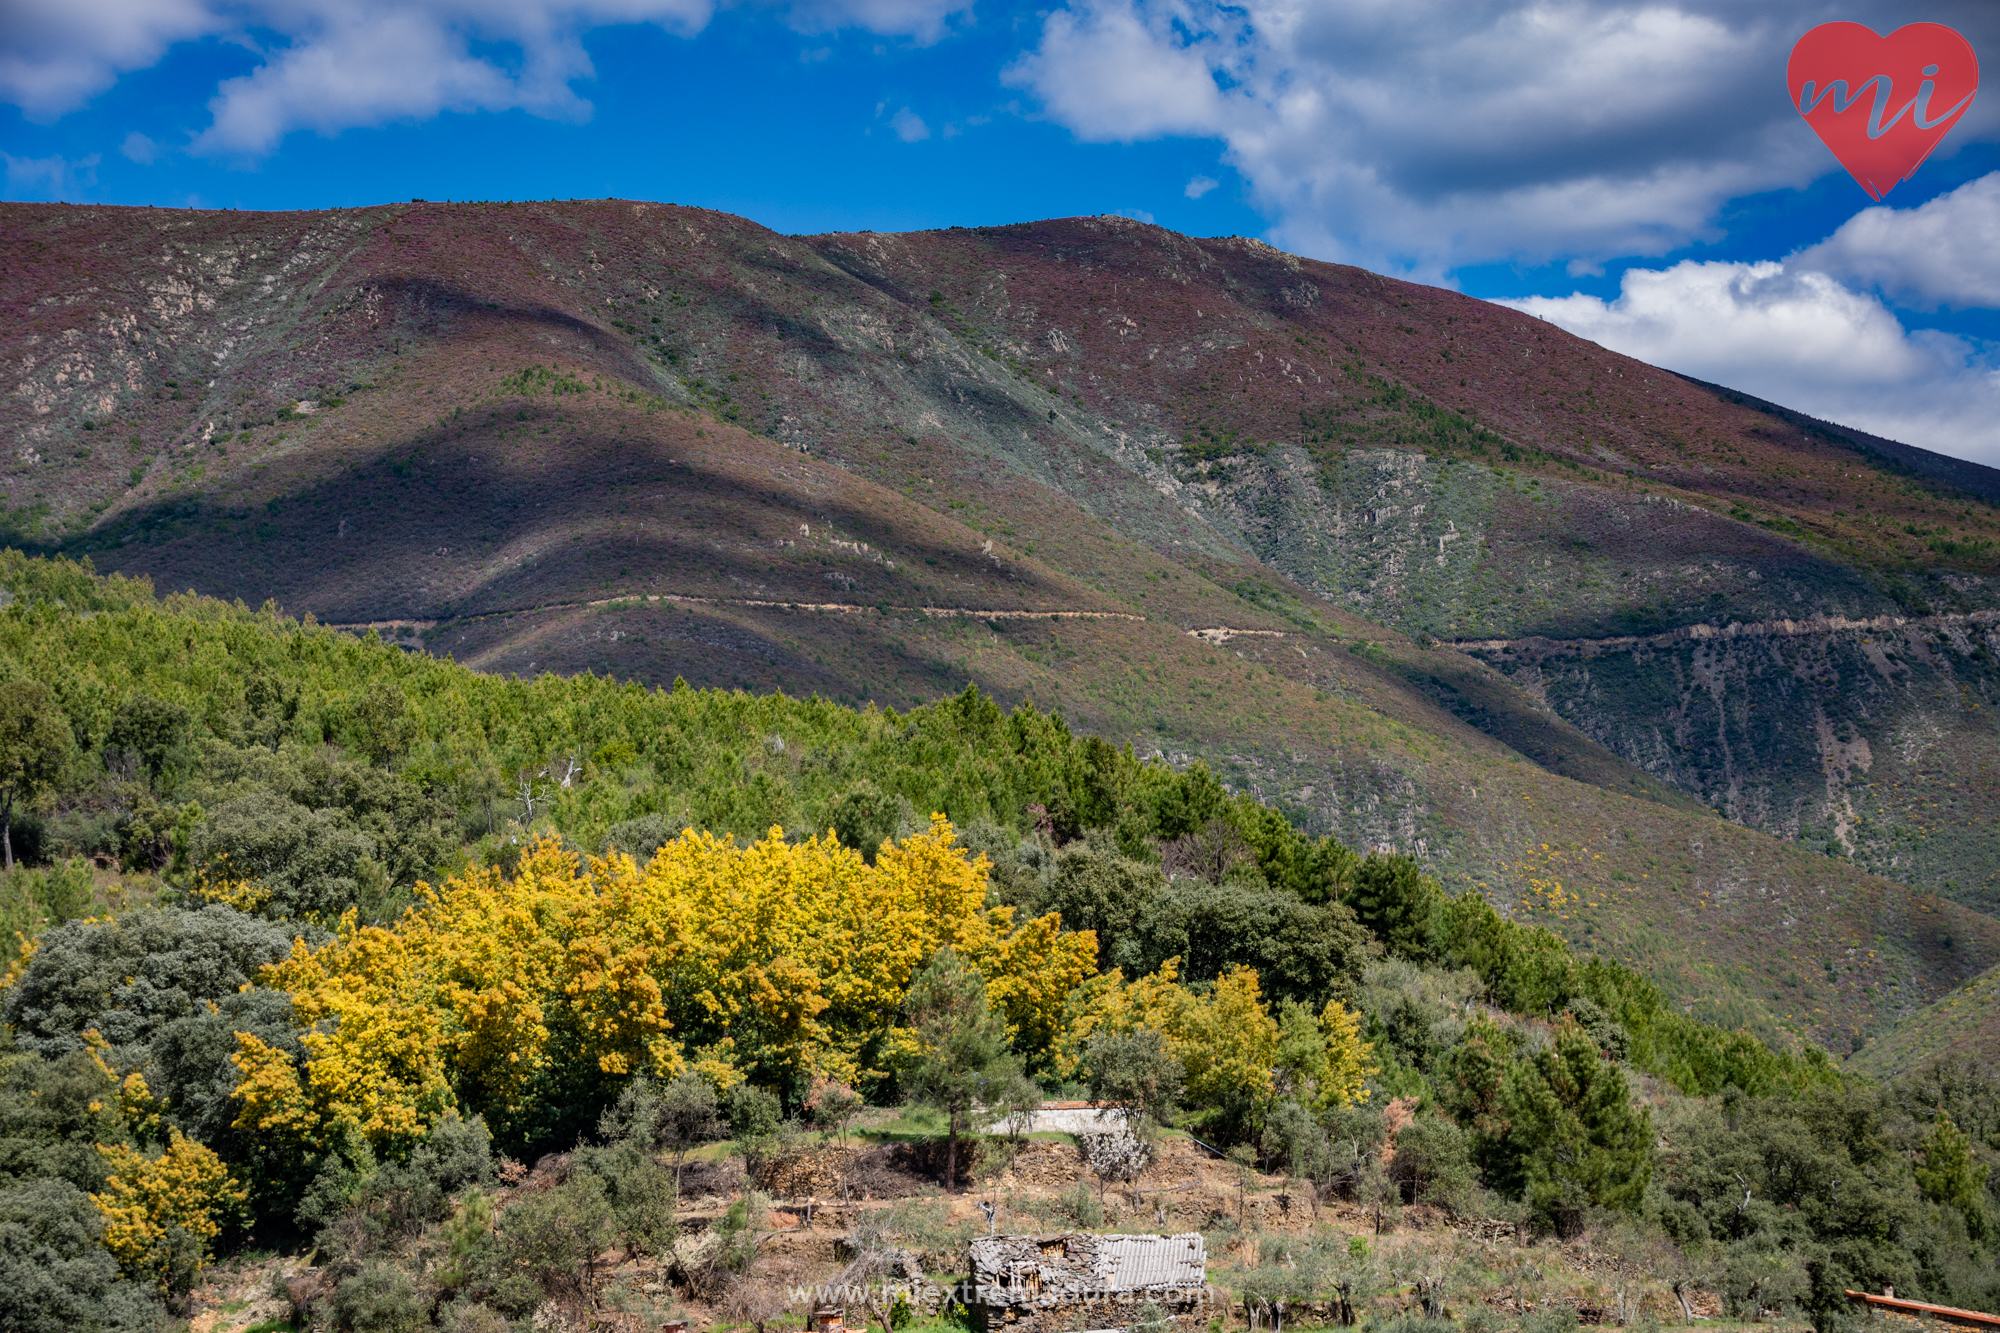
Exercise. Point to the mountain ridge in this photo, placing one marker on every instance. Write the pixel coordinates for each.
(507, 426)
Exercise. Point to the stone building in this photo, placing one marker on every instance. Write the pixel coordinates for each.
(1063, 1283)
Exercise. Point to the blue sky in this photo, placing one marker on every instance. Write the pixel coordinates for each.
(1632, 171)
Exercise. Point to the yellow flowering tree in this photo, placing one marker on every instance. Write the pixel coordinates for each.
(375, 1043)
(1349, 1060)
(775, 961)
(1228, 1041)
(1107, 1002)
(162, 1213)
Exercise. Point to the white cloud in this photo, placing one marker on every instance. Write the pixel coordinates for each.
(335, 64)
(1136, 214)
(1119, 71)
(1426, 134)
(1945, 253)
(55, 54)
(138, 148)
(909, 126)
(50, 178)
(1200, 186)
(1799, 337)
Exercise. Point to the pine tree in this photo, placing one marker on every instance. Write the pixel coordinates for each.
(962, 1062)
(1952, 1176)
(1573, 1137)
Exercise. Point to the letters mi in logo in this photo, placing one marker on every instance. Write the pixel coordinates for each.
(1882, 103)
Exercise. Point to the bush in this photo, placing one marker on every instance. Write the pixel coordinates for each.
(640, 838)
(132, 977)
(549, 1243)
(1433, 1163)
(53, 1113)
(641, 1193)
(55, 1274)
(676, 1116)
(372, 1208)
(754, 1113)
(312, 863)
(188, 1062)
(379, 1298)
(1082, 1206)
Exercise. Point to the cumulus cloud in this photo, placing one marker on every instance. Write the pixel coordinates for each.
(1800, 337)
(909, 126)
(55, 54)
(331, 65)
(1426, 134)
(1943, 254)
(1200, 186)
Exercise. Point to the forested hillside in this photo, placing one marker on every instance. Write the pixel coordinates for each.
(656, 443)
(323, 939)
(661, 441)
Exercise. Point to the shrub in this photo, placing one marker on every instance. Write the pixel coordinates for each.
(640, 838)
(162, 1213)
(1433, 1163)
(675, 1115)
(55, 1274)
(754, 1113)
(132, 977)
(549, 1242)
(379, 1298)
(311, 863)
(1082, 1206)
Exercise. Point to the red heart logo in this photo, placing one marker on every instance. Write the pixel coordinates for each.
(1882, 103)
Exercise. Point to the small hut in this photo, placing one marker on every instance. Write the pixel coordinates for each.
(1042, 1284)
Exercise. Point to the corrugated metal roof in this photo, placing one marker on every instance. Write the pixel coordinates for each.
(1136, 1262)
(1040, 1267)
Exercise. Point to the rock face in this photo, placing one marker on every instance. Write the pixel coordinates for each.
(1077, 1280)
(1873, 739)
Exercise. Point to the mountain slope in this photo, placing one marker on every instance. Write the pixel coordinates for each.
(1963, 1025)
(1195, 494)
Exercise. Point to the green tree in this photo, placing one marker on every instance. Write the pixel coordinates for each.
(1573, 1138)
(962, 1061)
(130, 978)
(314, 864)
(676, 1116)
(153, 732)
(1137, 1072)
(1950, 1175)
(1395, 899)
(863, 818)
(55, 1274)
(35, 746)
(387, 728)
